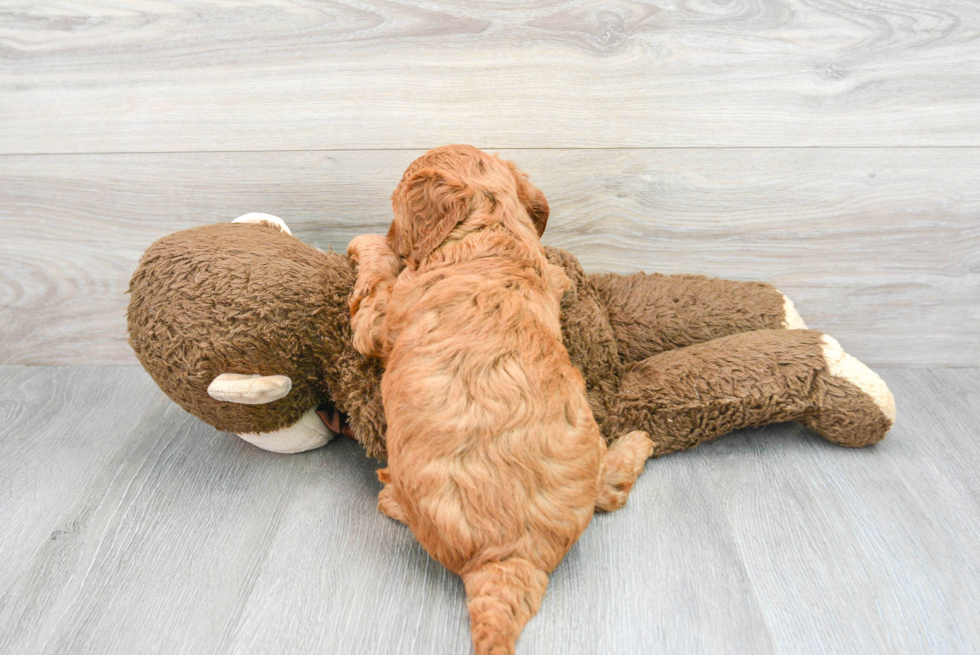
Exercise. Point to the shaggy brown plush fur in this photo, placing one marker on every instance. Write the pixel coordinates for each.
(494, 459)
(202, 301)
(651, 313)
(770, 376)
(244, 298)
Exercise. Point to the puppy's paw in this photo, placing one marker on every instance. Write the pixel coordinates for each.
(388, 506)
(636, 448)
(625, 460)
(377, 267)
(370, 252)
(363, 244)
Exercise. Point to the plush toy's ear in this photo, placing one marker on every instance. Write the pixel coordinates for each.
(427, 206)
(267, 219)
(249, 389)
(532, 198)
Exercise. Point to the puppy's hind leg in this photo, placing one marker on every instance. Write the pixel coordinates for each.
(387, 504)
(624, 463)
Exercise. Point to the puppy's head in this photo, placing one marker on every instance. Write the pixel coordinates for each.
(443, 187)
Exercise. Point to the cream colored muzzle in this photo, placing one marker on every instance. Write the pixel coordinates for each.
(307, 433)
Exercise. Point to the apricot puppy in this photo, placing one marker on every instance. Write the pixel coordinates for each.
(494, 459)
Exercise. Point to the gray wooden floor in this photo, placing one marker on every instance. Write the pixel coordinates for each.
(129, 526)
(830, 147)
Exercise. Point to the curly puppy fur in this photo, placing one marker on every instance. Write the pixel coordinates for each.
(494, 459)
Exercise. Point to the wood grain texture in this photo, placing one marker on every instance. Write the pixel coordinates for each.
(158, 75)
(878, 247)
(861, 551)
(59, 427)
(177, 539)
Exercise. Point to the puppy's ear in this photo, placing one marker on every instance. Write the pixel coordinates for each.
(431, 203)
(532, 198)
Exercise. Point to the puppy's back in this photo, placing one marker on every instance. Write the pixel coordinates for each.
(496, 446)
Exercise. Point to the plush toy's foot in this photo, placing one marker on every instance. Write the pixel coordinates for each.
(852, 404)
(264, 219)
(624, 463)
(791, 318)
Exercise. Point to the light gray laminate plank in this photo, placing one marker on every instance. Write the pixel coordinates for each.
(342, 578)
(159, 551)
(176, 76)
(191, 541)
(878, 247)
(59, 428)
(662, 575)
(865, 551)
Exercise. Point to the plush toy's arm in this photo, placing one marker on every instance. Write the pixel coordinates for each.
(685, 396)
(377, 268)
(651, 314)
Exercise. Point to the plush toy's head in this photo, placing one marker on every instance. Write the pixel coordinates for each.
(233, 322)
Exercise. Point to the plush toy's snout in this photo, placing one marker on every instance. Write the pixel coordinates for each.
(307, 433)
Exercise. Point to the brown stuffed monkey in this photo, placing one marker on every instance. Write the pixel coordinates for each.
(247, 328)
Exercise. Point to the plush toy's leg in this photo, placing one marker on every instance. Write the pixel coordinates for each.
(651, 314)
(686, 396)
(624, 463)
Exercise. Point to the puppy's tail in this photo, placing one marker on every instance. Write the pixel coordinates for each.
(502, 597)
